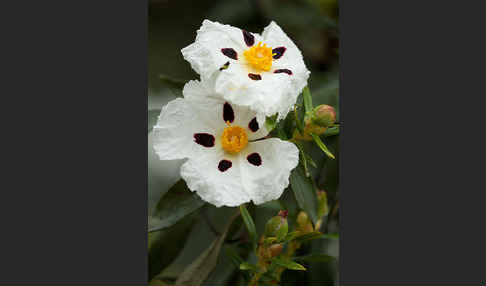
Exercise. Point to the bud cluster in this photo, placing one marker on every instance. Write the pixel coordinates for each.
(321, 118)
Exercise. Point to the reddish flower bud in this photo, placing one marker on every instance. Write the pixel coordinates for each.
(323, 115)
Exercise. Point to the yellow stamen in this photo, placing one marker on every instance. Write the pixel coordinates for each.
(234, 139)
(259, 57)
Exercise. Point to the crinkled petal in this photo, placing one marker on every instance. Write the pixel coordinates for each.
(212, 185)
(267, 181)
(244, 116)
(292, 59)
(205, 54)
(273, 93)
(203, 92)
(179, 120)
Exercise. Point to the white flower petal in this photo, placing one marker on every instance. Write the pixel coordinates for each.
(292, 58)
(243, 116)
(203, 92)
(273, 93)
(179, 120)
(205, 54)
(268, 181)
(218, 188)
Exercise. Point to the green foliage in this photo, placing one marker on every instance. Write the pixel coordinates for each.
(308, 236)
(250, 225)
(304, 192)
(165, 246)
(306, 95)
(321, 145)
(315, 258)
(197, 272)
(331, 131)
(288, 264)
(175, 205)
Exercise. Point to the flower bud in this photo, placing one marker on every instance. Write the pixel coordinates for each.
(277, 226)
(322, 207)
(323, 115)
(275, 249)
(302, 218)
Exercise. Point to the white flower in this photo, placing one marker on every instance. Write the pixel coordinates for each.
(227, 165)
(265, 73)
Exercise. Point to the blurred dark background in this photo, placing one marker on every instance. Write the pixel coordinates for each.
(312, 25)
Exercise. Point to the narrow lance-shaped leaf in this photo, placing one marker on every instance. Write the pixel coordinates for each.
(308, 236)
(198, 271)
(288, 264)
(321, 145)
(177, 203)
(248, 266)
(250, 225)
(298, 121)
(304, 192)
(307, 100)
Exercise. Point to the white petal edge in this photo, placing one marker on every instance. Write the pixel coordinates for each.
(179, 120)
(292, 58)
(205, 54)
(203, 91)
(218, 188)
(268, 181)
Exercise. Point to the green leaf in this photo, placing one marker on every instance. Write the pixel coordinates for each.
(271, 122)
(177, 203)
(165, 246)
(315, 258)
(298, 121)
(334, 235)
(198, 271)
(321, 145)
(250, 225)
(331, 131)
(248, 266)
(291, 235)
(270, 240)
(288, 264)
(234, 256)
(308, 236)
(307, 100)
(153, 115)
(304, 192)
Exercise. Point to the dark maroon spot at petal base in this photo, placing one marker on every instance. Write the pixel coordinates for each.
(230, 53)
(254, 159)
(228, 113)
(287, 71)
(249, 38)
(224, 165)
(253, 125)
(279, 52)
(204, 139)
(254, 76)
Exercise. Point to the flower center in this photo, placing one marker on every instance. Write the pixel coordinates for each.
(234, 139)
(259, 57)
